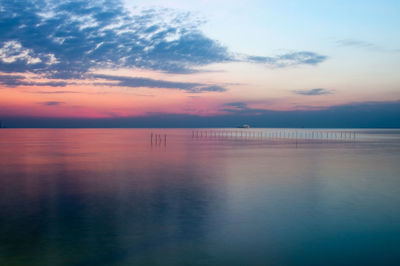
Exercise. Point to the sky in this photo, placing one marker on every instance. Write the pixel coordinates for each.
(199, 63)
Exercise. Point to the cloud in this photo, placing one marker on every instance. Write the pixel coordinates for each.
(13, 51)
(289, 59)
(11, 80)
(240, 108)
(364, 45)
(55, 92)
(313, 92)
(51, 103)
(357, 43)
(237, 105)
(68, 39)
(134, 82)
(18, 80)
(213, 88)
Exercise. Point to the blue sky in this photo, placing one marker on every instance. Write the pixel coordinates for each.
(265, 26)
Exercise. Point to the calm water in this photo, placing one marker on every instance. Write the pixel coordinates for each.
(109, 197)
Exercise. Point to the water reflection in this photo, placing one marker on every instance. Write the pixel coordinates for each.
(110, 197)
(77, 197)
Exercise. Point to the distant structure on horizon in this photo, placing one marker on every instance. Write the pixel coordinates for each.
(244, 126)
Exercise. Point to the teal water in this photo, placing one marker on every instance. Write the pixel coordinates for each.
(111, 197)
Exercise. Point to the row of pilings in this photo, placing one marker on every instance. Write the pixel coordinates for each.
(276, 134)
(158, 139)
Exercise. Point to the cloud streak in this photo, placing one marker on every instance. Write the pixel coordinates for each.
(55, 92)
(51, 103)
(364, 45)
(313, 92)
(135, 82)
(19, 80)
(289, 59)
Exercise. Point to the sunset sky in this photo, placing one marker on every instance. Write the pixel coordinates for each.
(200, 61)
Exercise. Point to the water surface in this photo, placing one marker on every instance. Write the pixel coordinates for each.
(113, 197)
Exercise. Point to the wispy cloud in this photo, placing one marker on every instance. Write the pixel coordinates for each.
(51, 103)
(357, 43)
(134, 82)
(237, 105)
(55, 92)
(364, 45)
(313, 92)
(19, 80)
(240, 108)
(289, 59)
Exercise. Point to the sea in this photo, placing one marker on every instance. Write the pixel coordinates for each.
(199, 196)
